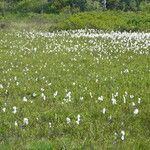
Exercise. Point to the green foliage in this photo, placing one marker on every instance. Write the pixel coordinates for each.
(103, 20)
(108, 20)
(145, 6)
(28, 6)
(73, 6)
(93, 5)
(133, 5)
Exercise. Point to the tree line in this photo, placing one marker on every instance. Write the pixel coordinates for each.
(72, 6)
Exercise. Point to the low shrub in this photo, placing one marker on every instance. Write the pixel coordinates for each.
(106, 20)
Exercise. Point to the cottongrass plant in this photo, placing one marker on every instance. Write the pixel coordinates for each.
(82, 88)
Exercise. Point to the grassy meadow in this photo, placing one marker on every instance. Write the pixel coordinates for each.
(80, 89)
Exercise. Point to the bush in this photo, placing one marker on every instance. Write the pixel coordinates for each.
(93, 5)
(28, 6)
(145, 6)
(108, 20)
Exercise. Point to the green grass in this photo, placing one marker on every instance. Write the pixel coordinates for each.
(87, 67)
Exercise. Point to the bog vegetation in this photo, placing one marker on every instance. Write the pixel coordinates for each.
(75, 74)
(74, 90)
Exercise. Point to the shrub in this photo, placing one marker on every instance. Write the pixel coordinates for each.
(93, 5)
(108, 20)
(28, 6)
(145, 6)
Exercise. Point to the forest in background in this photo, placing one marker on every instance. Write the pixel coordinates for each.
(71, 6)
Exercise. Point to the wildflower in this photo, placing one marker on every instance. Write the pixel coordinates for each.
(124, 99)
(68, 94)
(16, 124)
(34, 94)
(42, 89)
(100, 98)
(78, 119)
(49, 84)
(126, 71)
(123, 132)
(26, 121)
(96, 80)
(116, 94)
(104, 110)
(50, 124)
(91, 95)
(139, 100)
(110, 117)
(6, 92)
(15, 78)
(4, 109)
(131, 96)
(126, 93)
(43, 96)
(81, 98)
(25, 99)
(1, 86)
(133, 104)
(115, 134)
(113, 100)
(68, 120)
(68, 97)
(136, 111)
(14, 109)
(122, 135)
(56, 93)
(122, 138)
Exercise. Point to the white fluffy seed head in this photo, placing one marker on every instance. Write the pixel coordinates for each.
(16, 124)
(122, 137)
(68, 120)
(4, 109)
(1, 86)
(104, 110)
(25, 99)
(123, 132)
(26, 121)
(50, 124)
(14, 109)
(100, 98)
(136, 111)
